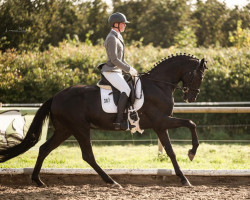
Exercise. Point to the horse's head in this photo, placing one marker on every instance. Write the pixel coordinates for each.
(192, 81)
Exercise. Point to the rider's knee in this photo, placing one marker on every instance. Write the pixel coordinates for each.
(127, 90)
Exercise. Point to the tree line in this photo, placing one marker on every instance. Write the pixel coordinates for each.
(37, 24)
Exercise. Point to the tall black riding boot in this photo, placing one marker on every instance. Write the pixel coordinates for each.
(121, 124)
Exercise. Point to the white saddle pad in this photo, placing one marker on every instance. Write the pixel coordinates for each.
(107, 99)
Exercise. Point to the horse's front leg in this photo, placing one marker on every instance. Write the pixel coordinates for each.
(172, 122)
(165, 141)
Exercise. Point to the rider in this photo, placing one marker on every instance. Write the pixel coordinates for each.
(112, 70)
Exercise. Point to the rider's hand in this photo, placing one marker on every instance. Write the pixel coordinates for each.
(133, 71)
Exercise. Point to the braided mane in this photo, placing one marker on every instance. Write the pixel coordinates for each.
(171, 58)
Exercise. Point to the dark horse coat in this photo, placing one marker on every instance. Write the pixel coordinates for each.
(77, 109)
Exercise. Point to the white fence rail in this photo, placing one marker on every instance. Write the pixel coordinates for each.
(176, 104)
(212, 103)
(211, 109)
(32, 108)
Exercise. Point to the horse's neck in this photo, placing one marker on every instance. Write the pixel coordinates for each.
(167, 73)
(171, 71)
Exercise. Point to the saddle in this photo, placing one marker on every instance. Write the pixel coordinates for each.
(110, 97)
(116, 93)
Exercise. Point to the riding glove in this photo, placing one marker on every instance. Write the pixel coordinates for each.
(133, 71)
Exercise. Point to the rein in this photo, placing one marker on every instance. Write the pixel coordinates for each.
(183, 89)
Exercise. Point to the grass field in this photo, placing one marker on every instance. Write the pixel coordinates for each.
(209, 156)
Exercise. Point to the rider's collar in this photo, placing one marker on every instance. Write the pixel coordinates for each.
(118, 35)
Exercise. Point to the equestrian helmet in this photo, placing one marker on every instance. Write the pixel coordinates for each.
(117, 18)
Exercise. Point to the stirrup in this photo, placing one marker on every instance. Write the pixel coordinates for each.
(124, 126)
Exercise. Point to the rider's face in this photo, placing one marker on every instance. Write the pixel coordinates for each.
(122, 27)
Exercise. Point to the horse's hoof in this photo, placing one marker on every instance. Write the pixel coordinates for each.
(191, 155)
(186, 183)
(39, 183)
(42, 186)
(116, 185)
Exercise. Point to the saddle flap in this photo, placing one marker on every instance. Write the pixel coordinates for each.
(108, 104)
(116, 93)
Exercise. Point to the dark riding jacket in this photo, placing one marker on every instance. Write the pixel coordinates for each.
(115, 50)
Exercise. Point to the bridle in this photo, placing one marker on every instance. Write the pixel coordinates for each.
(189, 84)
(191, 80)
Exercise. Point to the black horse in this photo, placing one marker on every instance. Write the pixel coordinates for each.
(77, 109)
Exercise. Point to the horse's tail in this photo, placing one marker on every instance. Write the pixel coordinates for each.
(32, 135)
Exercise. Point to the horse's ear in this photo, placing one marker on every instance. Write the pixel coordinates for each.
(202, 63)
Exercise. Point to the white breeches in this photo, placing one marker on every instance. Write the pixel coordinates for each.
(117, 80)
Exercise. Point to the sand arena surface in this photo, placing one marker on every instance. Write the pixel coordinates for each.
(89, 187)
(129, 191)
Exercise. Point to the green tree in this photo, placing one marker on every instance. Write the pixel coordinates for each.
(37, 24)
(46, 22)
(240, 37)
(15, 22)
(155, 21)
(135, 12)
(185, 38)
(97, 19)
(234, 16)
(56, 19)
(164, 21)
(210, 17)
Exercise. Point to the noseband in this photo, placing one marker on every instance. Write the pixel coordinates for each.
(191, 80)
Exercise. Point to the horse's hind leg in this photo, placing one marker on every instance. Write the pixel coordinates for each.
(165, 141)
(83, 138)
(52, 143)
